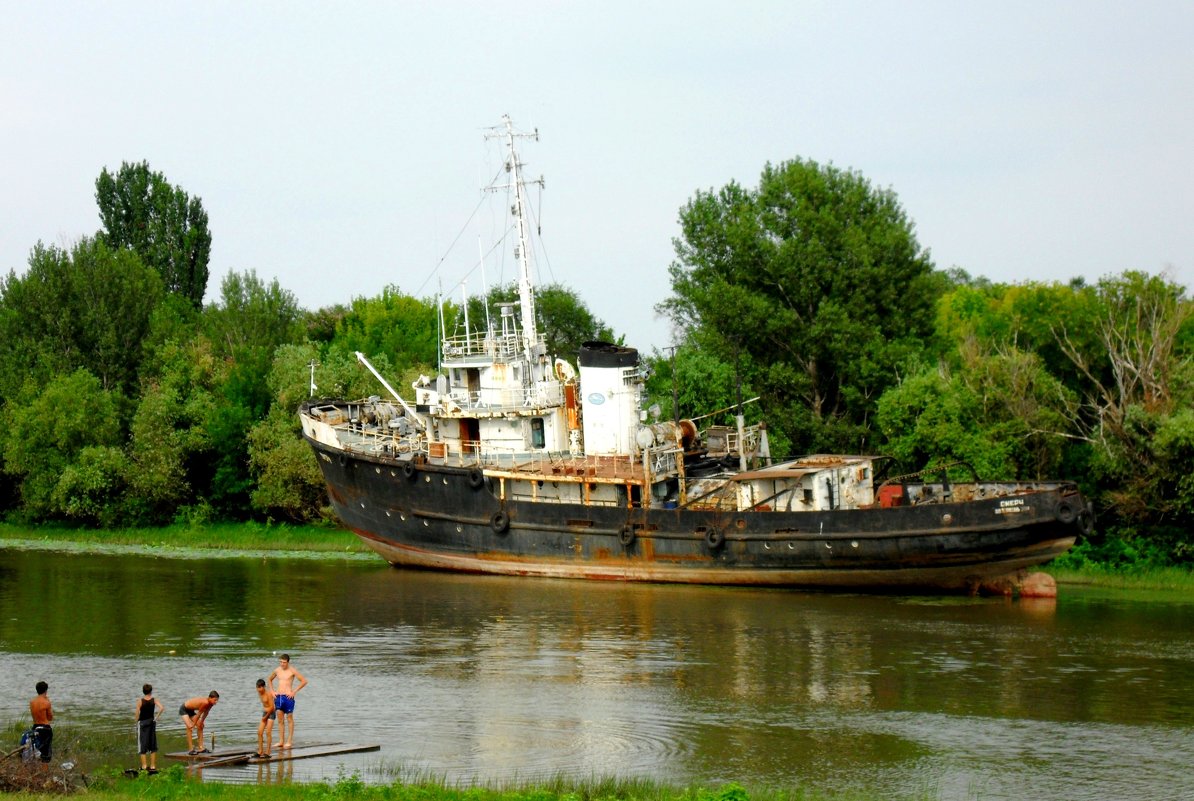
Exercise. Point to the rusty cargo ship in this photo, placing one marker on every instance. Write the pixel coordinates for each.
(513, 462)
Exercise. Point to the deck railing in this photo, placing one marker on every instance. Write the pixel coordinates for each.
(539, 396)
(499, 348)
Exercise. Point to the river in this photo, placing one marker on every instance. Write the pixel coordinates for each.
(484, 679)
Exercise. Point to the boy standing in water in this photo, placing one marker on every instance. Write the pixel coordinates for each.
(149, 709)
(194, 712)
(43, 716)
(265, 729)
(284, 698)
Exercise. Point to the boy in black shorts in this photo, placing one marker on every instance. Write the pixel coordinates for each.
(194, 712)
(149, 709)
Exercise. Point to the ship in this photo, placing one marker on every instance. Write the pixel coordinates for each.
(512, 461)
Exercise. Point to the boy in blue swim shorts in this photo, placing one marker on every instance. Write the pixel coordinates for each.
(284, 697)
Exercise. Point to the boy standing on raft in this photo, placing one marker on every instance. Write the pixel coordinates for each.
(284, 697)
(265, 729)
(149, 709)
(194, 712)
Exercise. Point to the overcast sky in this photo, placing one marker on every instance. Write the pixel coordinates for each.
(339, 147)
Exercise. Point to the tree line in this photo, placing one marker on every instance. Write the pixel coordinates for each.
(128, 401)
(812, 290)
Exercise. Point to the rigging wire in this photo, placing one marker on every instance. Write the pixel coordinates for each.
(534, 218)
(542, 244)
(463, 228)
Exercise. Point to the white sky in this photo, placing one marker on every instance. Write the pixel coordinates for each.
(338, 147)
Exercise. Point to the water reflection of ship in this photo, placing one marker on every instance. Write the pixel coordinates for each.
(755, 645)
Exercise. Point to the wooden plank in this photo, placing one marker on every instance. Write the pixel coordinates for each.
(188, 756)
(227, 752)
(308, 751)
(223, 761)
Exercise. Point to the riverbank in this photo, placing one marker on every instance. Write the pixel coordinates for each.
(173, 783)
(96, 767)
(1170, 579)
(229, 538)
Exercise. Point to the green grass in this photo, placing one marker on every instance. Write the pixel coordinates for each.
(173, 783)
(1177, 579)
(99, 759)
(216, 536)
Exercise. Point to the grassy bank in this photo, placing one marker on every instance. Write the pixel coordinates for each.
(1175, 579)
(220, 536)
(97, 760)
(174, 783)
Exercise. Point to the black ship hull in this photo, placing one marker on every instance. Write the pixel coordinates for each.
(453, 518)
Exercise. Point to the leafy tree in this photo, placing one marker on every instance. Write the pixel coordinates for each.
(170, 441)
(816, 283)
(161, 223)
(1026, 317)
(252, 317)
(1139, 326)
(321, 324)
(402, 327)
(87, 308)
(1001, 412)
(93, 488)
(338, 374)
(288, 482)
(703, 383)
(47, 433)
(1140, 386)
(287, 478)
(251, 321)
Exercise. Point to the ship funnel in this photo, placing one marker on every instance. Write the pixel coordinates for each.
(609, 383)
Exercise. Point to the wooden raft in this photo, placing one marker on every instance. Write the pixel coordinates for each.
(243, 756)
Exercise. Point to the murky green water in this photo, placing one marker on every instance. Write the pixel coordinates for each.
(490, 679)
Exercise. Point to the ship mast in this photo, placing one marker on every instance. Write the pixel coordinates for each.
(526, 288)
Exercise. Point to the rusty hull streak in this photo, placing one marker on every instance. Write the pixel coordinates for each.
(961, 576)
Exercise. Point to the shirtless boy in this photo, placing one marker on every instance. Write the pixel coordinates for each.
(43, 716)
(265, 729)
(284, 697)
(194, 712)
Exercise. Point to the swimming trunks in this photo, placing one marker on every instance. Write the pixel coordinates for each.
(147, 737)
(284, 703)
(43, 741)
(190, 713)
(273, 715)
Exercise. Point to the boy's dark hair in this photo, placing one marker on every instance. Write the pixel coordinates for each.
(213, 694)
(42, 687)
(147, 688)
(261, 682)
(285, 656)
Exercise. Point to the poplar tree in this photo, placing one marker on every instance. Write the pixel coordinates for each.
(142, 212)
